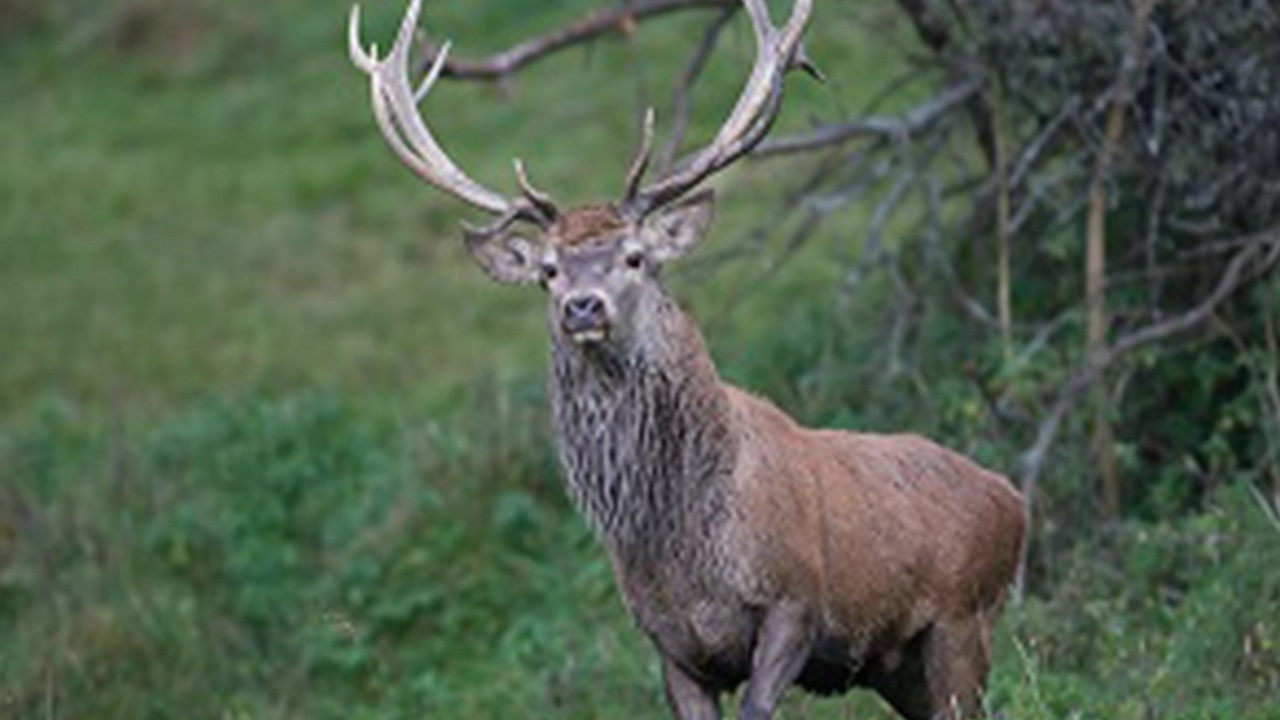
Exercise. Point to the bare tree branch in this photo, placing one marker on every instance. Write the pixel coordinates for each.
(1251, 263)
(680, 101)
(1034, 150)
(913, 122)
(932, 30)
(621, 20)
(1237, 273)
(936, 35)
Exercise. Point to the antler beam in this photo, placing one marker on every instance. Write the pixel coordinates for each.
(778, 51)
(395, 106)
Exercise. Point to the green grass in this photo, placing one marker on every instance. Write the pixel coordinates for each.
(271, 448)
(309, 558)
(182, 222)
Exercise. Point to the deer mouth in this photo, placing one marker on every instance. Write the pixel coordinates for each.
(585, 318)
(589, 336)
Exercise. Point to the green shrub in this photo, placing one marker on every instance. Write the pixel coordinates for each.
(1169, 619)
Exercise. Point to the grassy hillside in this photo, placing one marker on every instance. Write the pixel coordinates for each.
(196, 199)
(271, 448)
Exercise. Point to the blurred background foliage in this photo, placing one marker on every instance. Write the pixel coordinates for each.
(271, 448)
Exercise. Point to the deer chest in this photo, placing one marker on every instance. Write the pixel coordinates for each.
(694, 619)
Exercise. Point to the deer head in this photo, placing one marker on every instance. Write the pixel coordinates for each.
(599, 267)
(599, 263)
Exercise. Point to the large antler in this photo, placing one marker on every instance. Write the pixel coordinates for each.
(395, 106)
(752, 116)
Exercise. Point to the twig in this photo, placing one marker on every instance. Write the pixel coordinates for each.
(1271, 395)
(680, 100)
(1034, 150)
(991, 399)
(1152, 241)
(1228, 283)
(936, 36)
(1037, 195)
(873, 244)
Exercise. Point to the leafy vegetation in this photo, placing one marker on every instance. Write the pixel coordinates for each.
(269, 448)
(304, 557)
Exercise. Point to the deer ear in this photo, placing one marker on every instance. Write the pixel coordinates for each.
(677, 229)
(507, 257)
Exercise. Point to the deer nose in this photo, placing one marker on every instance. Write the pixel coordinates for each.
(582, 313)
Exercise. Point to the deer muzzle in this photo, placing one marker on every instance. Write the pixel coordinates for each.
(585, 318)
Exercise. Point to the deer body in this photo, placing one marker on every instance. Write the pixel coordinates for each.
(749, 549)
(717, 507)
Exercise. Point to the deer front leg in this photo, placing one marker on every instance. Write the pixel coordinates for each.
(688, 698)
(783, 644)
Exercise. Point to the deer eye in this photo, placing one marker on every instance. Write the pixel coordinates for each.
(634, 259)
(550, 272)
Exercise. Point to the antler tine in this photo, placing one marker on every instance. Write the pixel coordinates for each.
(366, 61)
(395, 106)
(538, 199)
(752, 115)
(640, 163)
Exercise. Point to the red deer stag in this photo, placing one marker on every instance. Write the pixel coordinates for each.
(748, 548)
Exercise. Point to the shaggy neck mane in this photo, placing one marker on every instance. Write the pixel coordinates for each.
(644, 434)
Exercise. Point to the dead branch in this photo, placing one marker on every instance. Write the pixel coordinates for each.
(1249, 264)
(915, 121)
(619, 20)
(932, 30)
(1252, 263)
(1271, 396)
(936, 35)
(680, 100)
